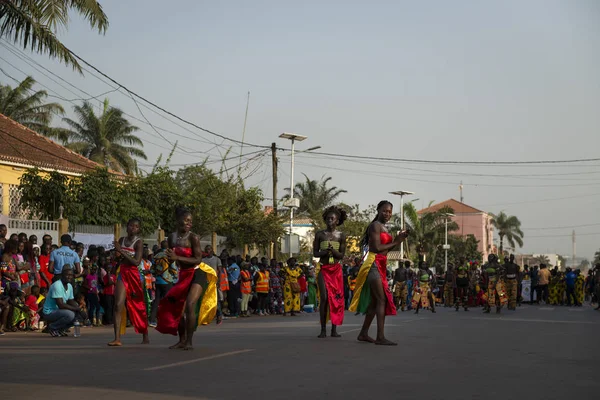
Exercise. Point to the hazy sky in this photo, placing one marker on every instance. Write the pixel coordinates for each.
(433, 80)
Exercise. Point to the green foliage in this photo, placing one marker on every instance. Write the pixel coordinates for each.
(107, 138)
(508, 227)
(459, 247)
(597, 257)
(28, 107)
(34, 24)
(315, 196)
(43, 194)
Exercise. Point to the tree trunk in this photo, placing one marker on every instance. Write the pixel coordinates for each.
(501, 246)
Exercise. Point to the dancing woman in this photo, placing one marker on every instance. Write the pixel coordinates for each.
(329, 246)
(192, 301)
(372, 295)
(130, 285)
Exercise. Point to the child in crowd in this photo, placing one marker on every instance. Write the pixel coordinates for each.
(93, 301)
(110, 280)
(32, 303)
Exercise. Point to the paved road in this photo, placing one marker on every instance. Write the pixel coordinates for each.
(533, 353)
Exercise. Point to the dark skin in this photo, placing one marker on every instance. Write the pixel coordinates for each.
(331, 234)
(461, 292)
(45, 251)
(378, 298)
(183, 237)
(67, 277)
(133, 230)
(7, 257)
(422, 271)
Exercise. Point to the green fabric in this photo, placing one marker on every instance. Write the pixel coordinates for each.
(325, 245)
(365, 298)
(312, 291)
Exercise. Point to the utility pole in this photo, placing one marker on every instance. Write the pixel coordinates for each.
(274, 162)
(573, 266)
(461, 191)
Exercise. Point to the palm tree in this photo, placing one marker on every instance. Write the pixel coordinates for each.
(427, 230)
(541, 259)
(508, 227)
(314, 197)
(27, 107)
(34, 24)
(106, 139)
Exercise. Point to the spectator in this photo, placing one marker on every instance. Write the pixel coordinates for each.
(534, 283)
(165, 274)
(90, 285)
(109, 281)
(32, 302)
(234, 292)
(3, 233)
(47, 239)
(23, 267)
(60, 307)
(62, 256)
(570, 286)
(8, 266)
(246, 288)
(543, 282)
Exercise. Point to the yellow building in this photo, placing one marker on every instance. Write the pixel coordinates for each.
(20, 149)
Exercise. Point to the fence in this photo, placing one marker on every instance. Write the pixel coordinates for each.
(34, 227)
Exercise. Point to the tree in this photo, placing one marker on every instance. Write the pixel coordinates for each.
(585, 263)
(427, 230)
(460, 247)
(597, 257)
(34, 23)
(508, 227)
(27, 107)
(355, 225)
(42, 195)
(541, 259)
(106, 139)
(314, 197)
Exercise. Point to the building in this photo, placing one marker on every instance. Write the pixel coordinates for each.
(470, 221)
(21, 149)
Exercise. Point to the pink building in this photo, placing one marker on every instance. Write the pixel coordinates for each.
(470, 221)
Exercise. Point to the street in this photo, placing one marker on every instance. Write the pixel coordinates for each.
(536, 352)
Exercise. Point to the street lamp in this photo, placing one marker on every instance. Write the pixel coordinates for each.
(292, 202)
(402, 193)
(446, 246)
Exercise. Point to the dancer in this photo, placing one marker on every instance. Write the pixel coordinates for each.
(422, 294)
(329, 246)
(495, 294)
(372, 296)
(401, 285)
(192, 301)
(130, 285)
(462, 285)
(291, 288)
(449, 285)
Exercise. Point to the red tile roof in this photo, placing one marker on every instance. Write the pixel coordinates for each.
(457, 206)
(20, 144)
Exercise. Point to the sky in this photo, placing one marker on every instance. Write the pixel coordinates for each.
(429, 80)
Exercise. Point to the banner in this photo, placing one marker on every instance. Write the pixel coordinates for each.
(104, 240)
(526, 291)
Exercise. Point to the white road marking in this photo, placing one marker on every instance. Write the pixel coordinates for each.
(177, 364)
(535, 320)
(546, 308)
(576, 309)
(351, 330)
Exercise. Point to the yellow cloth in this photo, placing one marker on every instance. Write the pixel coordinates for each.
(361, 279)
(208, 307)
(291, 300)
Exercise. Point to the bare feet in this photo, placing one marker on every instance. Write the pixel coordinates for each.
(115, 343)
(178, 345)
(335, 334)
(323, 334)
(365, 338)
(188, 347)
(145, 340)
(385, 342)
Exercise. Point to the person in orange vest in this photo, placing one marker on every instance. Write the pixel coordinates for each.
(222, 291)
(246, 288)
(261, 281)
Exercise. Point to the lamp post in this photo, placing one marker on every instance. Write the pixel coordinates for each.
(292, 202)
(401, 193)
(446, 246)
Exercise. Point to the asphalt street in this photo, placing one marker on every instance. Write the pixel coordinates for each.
(533, 353)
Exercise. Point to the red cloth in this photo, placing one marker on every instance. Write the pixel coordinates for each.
(109, 290)
(334, 283)
(136, 300)
(385, 238)
(381, 262)
(302, 283)
(31, 302)
(170, 308)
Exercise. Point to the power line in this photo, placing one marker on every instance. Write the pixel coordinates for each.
(162, 109)
(561, 227)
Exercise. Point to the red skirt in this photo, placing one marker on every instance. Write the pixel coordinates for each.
(136, 297)
(334, 284)
(170, 308)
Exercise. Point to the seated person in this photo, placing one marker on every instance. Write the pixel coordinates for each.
(60, 308)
